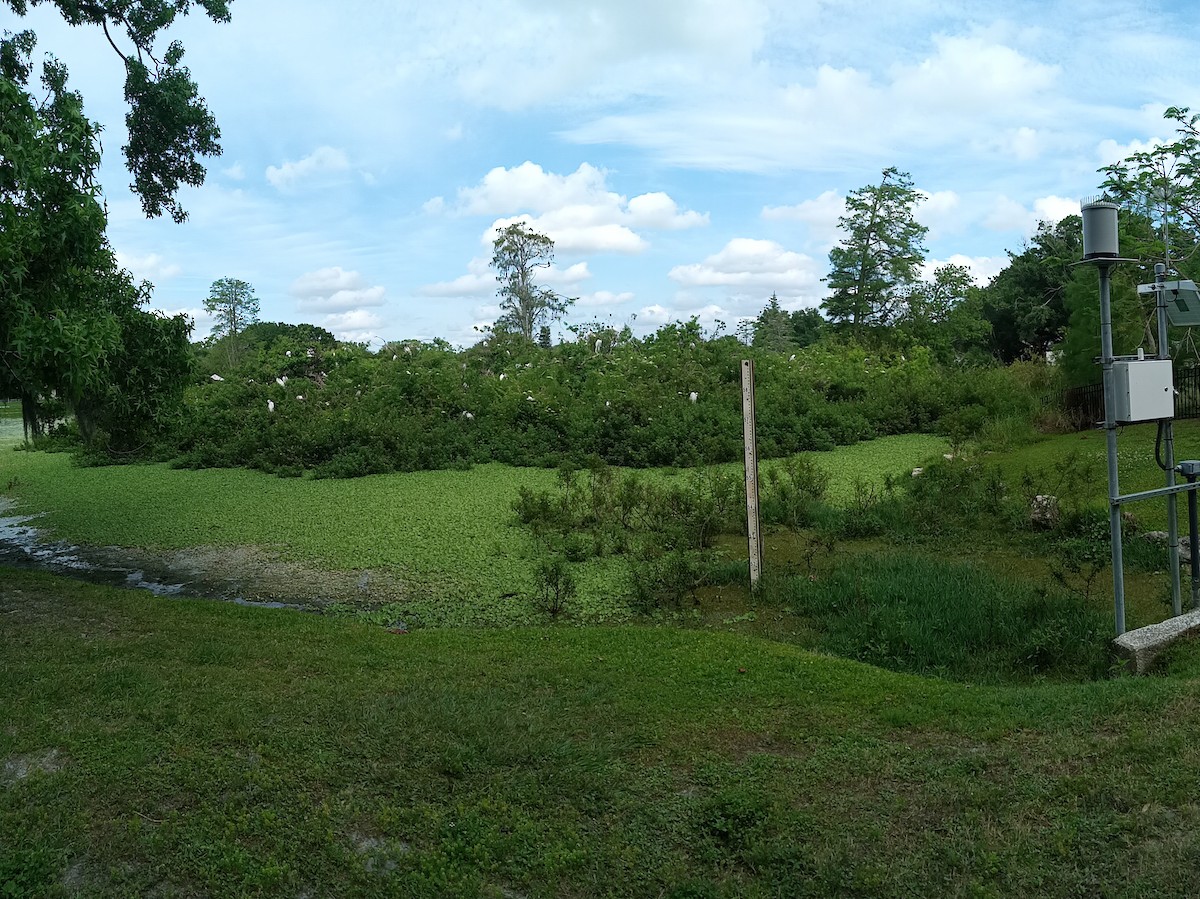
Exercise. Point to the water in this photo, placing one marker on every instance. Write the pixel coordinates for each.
(22, 545)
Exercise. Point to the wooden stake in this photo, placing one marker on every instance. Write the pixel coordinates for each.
(750, 438)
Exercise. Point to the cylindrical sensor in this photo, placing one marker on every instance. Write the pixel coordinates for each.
(1100, 230)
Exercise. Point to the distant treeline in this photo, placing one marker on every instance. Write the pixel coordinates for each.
(297, 402)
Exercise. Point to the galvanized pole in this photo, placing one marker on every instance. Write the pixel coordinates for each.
(1110, 430)
(750, 438)
(1160, 277)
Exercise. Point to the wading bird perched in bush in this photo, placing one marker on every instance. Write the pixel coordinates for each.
(270, 405)
(693, 396)
(217, 378)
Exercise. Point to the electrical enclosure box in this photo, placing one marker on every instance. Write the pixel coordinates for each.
(1144, 390)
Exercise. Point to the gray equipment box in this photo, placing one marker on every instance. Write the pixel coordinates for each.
(1144, 390)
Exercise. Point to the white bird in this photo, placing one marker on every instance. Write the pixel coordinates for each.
(310, 352)
(270, 405)
(693, 396)
(217, 378)
(792, 358)
(288, 354)
(607, 404)
(299, 396)
(599, 342)
(531, 399)
(503, 376)
(469, 416)
(394, 357)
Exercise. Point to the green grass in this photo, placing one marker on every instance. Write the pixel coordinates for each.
(204, 749)
(449, 533)
(1137, 468)
(931, 616)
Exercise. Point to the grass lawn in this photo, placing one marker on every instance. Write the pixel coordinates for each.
(187, 748)
(448, 533)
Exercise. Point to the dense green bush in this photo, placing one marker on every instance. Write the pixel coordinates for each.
(672, 399)
(926, 616)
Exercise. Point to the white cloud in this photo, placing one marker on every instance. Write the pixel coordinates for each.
(654, 315)
(577, 211)
(479, 281)
(1009, 215)
(151, 267)
(831, 117)
(434, 206)
(320, 161)
(236, 171)
(359, 325)
(745, 262)
(822, 211)
(335, 290)
(982, 268)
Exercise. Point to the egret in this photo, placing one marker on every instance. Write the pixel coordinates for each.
(503, 376)
(217, 378)
(288, 354)
(792, 358)
(270, 405)
(693, 396)
(599, 342)
(299, 396)
(469, 416)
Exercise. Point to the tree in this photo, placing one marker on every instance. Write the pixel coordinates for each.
(1026, 302)
(65, 314)
(234, 305)
(168, 122)
(1163, 185)
(517, 252)
(772, 329)
(879, 258)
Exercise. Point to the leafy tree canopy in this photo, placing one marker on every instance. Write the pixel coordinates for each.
(518, 251)
(880, 257)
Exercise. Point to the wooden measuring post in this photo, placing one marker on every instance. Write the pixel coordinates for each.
(750, 437)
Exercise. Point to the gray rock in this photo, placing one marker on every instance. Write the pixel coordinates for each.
(1044, 511)
(1141, 645)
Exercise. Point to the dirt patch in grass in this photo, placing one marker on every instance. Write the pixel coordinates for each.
(16, 768)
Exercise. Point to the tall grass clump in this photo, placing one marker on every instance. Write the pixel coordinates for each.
(927, 616)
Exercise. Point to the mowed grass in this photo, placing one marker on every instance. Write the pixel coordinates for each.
(1137, 469)
(184, 748)
(450, 532)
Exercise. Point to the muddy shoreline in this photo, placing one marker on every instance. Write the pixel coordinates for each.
(247, 575)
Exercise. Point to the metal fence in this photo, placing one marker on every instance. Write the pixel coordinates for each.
(1084, 406)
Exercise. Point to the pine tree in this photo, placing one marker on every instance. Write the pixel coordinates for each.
(880, 257)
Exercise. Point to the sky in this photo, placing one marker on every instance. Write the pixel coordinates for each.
(688, 157)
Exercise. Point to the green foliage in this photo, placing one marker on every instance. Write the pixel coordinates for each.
(915, 614)
(517, 252)
(1026, 302)
(415, 406)
(877, 262)
(168, 124)
(1162, 185)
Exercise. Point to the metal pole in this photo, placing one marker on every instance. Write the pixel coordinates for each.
(750, 438)
(1110, 430)
(1160, 277)
(1194, 543)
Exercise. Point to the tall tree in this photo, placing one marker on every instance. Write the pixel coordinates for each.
(773, 327)
(879, 258)
(517, 253)
(1026, 301)
(1163, 185)
(61, 322)
(168, 122)
(232, 303)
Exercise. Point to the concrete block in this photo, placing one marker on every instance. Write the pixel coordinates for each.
(1142, 644)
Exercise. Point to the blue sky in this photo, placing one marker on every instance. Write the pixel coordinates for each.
(688, 157)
